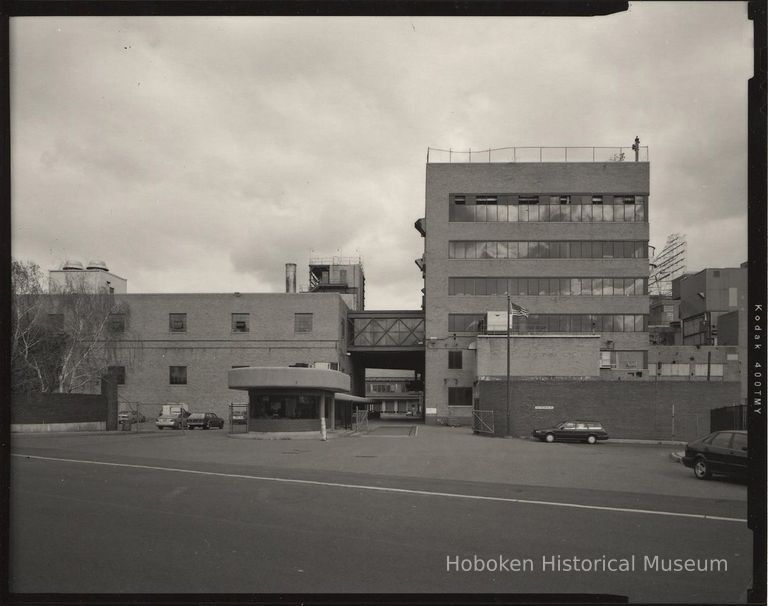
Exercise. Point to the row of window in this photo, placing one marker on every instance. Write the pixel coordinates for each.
(690, 370)
(177, 375)
(544, 200)
(548, 286)
(177, 322)
(573, 213)
(548, 249)
(556, 323)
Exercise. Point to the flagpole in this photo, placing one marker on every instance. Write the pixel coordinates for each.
(509, 327)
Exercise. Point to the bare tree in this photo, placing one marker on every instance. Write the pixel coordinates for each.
(27, 331)
(68, 337)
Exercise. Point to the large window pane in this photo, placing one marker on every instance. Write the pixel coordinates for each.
(452, 285)
(618, 286)
(513, 286)
(544, 213)
(512, 250)
(641, 251)
(618, 323)
(586, 286)
(597, 286)
(471, 250)
(522, 250)
(629, 286)
(586, 212)
(639, 212)
(575, 286)
(523, 213)
(533, 286)
(512, 213)
(564, 286)
(486, 250)
(608, 212)
(629, 323)
(480, 213)
(575, 213)
(523, 286)
(501, 213)
(480, 286)
(501, 248)
(597, 250)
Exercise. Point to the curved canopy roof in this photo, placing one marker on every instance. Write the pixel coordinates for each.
(284, 377)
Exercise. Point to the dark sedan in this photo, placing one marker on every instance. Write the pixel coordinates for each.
(572, 431)
(722, 452)
(204, 420)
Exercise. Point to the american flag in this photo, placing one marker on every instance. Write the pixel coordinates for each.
(518, 310)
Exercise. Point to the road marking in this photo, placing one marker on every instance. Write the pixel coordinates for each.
(454, 495)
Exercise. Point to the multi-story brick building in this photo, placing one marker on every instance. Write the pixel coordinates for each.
(567, 240)
(183, 345)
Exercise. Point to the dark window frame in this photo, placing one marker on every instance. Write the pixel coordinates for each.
(175, 317)
(241, 322)
(455, 359)
(300, 325)
(177, 375)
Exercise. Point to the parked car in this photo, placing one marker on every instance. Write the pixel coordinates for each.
(204, 420)
(239, 417)
(170, 421)
(130, 416)
(721, 452)
(572, 431)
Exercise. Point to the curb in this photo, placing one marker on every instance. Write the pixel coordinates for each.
(677, 457)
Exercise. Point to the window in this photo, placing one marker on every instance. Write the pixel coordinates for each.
(116, 323)
(722, 440)
(739, 441)
(118, 372)
(597, 199)
(454, 360)
(459, 396)
(177, 375)
(481, 200)
(302, 323)
(565, 199)
(240, 322)
(459, 200)
(343, 276)
(56, 322)
(177, 322)
(528, 200)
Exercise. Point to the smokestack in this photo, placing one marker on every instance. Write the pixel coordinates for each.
(290, 277)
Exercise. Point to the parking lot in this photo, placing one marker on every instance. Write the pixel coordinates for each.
(434, 452)
(203, 511)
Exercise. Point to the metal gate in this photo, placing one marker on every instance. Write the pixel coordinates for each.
(360, 421)
(482, 421)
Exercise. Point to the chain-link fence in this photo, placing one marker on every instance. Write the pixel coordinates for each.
(238, 418)
(360, 421)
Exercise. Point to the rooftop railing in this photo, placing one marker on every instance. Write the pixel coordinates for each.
(537, 154)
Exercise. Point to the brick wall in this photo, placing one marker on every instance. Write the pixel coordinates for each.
(637, 410)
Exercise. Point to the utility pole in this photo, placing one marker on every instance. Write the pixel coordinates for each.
(509, 326)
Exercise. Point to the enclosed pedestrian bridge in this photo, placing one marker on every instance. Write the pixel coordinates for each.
(385, 331)
(386, 339)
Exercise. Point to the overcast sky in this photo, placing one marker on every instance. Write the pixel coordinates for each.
(202, 154)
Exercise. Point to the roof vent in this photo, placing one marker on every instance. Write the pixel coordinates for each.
(72, 266)
(97, 265)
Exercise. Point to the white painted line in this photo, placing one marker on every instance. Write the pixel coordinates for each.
(699, 516)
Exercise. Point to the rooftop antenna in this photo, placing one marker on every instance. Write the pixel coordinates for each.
(636, 148)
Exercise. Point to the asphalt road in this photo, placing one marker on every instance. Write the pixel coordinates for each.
(162, 525)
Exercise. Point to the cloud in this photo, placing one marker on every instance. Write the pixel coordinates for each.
(202, 154)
